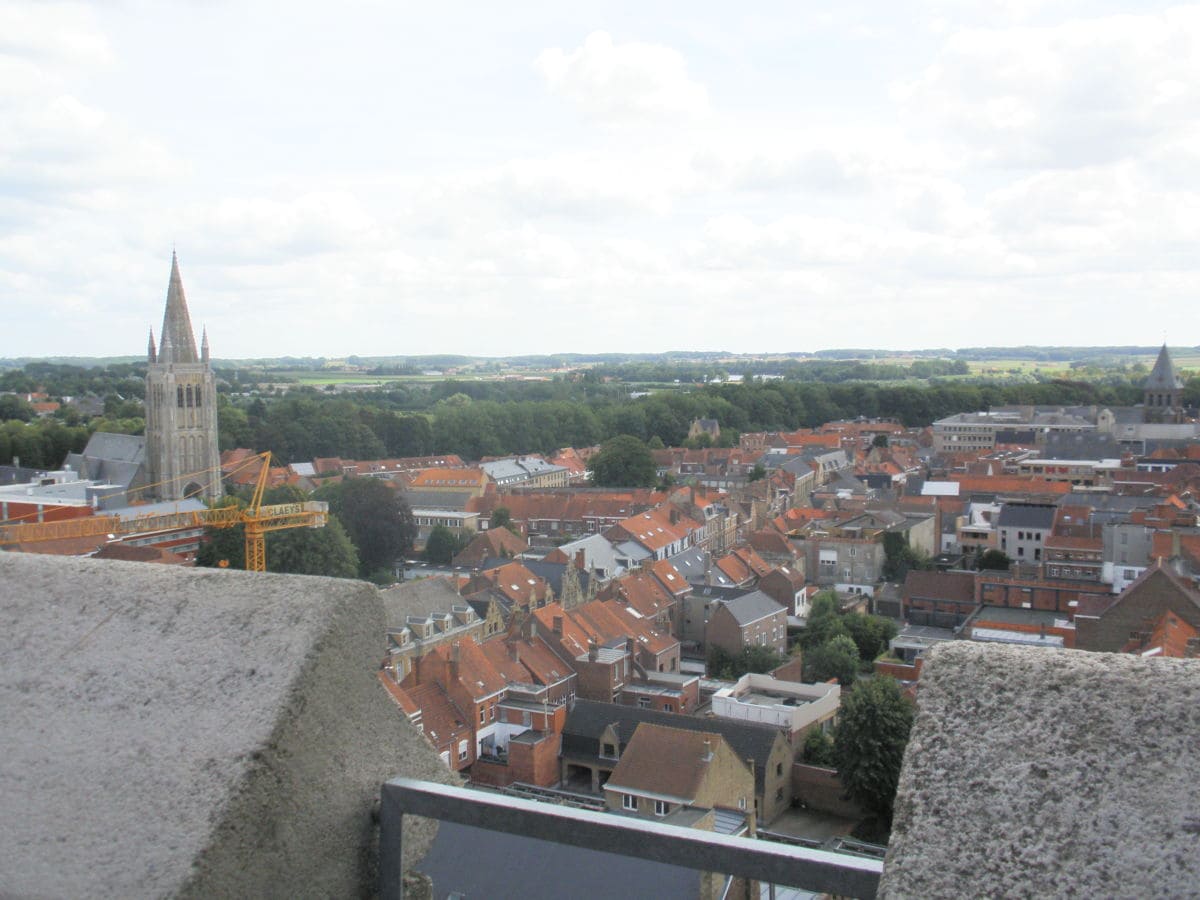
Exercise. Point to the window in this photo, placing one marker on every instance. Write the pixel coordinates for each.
(778, 768)
(482, 713)
(643, 702)
(668, 707)
(608, 750)
(741, 802)
(628, 801)
(661, 808)
(492, 713)
(462, 751)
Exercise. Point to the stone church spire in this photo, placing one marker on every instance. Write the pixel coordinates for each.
(177, 324)
(182, 458)
(150, 351)
(1163, 376)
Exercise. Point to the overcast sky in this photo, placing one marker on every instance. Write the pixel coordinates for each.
(499, 178)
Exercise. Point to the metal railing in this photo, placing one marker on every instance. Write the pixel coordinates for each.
(814, 870)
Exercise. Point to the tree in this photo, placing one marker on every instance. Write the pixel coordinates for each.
(758, 473)
(900, 558)
(836, 658)
(869, 748)
(296, 551)
(378, 521)
(993, 559)
(818, 748)
(623, 461)
(723, 664)
(871, 634)
(441, 545)
(313, 551)
(501, 517)
(880, 440)
(824, 621)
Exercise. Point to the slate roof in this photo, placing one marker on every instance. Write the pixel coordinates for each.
(422, 597)
(587, 719)
(499, 866)
(1163, 376)
(1021, 515)
(752, 607)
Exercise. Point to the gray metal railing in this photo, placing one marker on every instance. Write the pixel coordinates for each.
(814, 870)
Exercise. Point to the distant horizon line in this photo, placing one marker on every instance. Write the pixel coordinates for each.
(833, 354)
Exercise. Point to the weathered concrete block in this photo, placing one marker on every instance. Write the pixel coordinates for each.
(193, 732)
(1049, 773)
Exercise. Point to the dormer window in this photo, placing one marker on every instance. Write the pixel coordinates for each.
(608, 751)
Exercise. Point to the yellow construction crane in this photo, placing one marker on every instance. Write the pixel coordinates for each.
(257, 519)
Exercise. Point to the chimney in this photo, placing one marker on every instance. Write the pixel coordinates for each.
(674, 516)
(593, 650)
(707, 751)
(455, 659)
(580, 561)
(558, 624)
(513, 652)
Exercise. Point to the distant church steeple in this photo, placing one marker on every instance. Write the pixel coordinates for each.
(177, 324)
(181, 411)
(1163, 391)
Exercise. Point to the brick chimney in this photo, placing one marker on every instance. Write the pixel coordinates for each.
(452, 665)
(580, 560)
(558, 624)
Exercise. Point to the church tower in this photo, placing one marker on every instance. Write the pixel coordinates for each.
(181, 407)
(1163, 391)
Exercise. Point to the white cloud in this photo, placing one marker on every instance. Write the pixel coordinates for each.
(623, 81)
(1079, 92)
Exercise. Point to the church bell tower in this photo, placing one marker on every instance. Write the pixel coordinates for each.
(182, 459)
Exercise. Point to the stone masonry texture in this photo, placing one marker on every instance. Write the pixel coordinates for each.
(1049, 773)
(175, 732)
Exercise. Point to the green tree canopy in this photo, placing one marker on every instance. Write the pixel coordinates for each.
(623, 461)
(871, 634)
(378, 521)
(723, 664)
(441, 545)
(993, 559)
(876, 719)
(836, 658)
(818, 748)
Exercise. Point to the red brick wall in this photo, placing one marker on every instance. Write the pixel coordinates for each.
(792, 670)
(535, 763)
(496, 774)
(899, 671)
(821, 789)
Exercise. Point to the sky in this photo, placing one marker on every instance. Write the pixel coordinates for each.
(377, 178)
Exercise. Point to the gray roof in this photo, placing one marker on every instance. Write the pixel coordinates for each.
(418, 598)
(116, 447)
(519, 468)
(1026, 515)
(1080, 445)
(454, 500)
(751, 607)
(476, 862)
(587, 720)
(598, 552)
(1163, 376)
